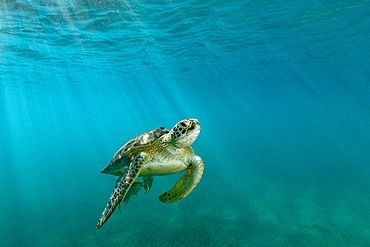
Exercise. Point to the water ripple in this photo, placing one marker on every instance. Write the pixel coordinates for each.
(181, 30)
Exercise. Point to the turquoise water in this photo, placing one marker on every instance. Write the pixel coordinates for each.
(281, 90)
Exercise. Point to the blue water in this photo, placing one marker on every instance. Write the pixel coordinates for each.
(281, 90)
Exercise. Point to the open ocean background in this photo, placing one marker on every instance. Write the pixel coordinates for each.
(281, 89)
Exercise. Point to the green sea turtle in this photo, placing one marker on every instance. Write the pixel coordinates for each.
(154, 153)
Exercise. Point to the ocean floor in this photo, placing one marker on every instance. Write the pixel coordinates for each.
(252, 213)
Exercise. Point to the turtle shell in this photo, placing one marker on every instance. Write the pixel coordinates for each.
(127, 152)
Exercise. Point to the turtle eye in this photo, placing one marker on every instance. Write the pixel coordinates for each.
(191, 127)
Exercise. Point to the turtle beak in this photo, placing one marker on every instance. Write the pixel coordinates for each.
(195, 127)
(194, 124)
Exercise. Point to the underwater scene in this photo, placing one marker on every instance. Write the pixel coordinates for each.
(280, 91)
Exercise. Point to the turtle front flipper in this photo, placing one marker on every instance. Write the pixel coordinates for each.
(187, 182)
(123, 185)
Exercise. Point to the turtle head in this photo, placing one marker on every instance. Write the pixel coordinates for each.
(185, 132)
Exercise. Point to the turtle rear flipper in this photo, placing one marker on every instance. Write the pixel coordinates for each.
(122, 187)
(134, 190)
(148, 181)
(187, 182)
